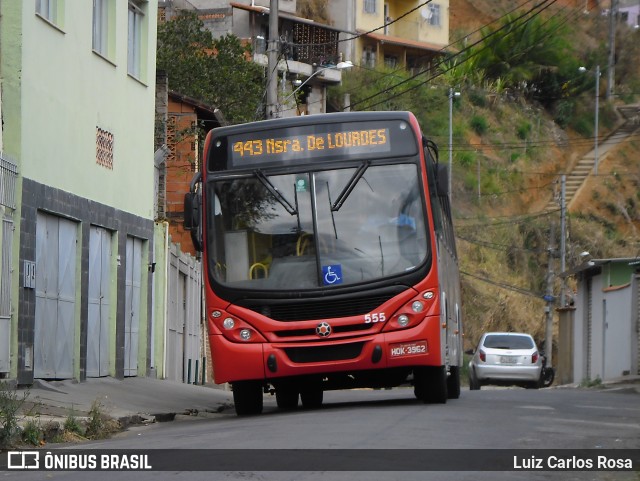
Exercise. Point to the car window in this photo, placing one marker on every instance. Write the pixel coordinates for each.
(499, 341)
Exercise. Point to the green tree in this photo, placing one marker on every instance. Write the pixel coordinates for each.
(531, 56)
(218, 72)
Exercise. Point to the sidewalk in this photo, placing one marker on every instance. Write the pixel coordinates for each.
(629, 383)
(131, 400)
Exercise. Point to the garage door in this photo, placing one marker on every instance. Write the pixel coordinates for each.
(99, 302)
(54, 336)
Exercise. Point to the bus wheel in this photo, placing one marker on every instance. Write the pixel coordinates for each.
(453, 382)
(286, 396)
(312, 396)
(247, 397)
(419, 383)
(436, 389)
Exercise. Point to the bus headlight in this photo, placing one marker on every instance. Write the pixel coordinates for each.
(234, 329)
(403, 320)
(417, 306)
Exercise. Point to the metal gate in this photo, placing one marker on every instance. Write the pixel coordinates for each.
(99, 302)
(132, 305)
(54, 335)
(5, 294)
(176, 324)
(183, 317)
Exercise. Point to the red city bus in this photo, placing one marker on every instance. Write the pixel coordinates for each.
(328, 257)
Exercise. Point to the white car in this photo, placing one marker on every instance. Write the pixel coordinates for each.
(506, 359)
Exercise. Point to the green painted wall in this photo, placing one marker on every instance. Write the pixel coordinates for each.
(71, 91)
(617, 274)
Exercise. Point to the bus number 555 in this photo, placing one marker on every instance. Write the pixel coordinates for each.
(375, 317)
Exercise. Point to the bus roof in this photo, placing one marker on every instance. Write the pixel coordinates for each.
(333, 117)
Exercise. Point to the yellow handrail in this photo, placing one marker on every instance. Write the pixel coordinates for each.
(259, 265)
(303, 243)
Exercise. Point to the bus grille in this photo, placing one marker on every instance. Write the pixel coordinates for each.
(339, 352)
(352, 328)
(313, 309)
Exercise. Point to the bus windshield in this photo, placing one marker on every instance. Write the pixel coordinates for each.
(314, 229)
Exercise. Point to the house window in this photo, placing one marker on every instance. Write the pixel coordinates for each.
(104, 148)
(134, 50)
(370, 6)
(368, 57)
(390, 61)
(48, 9)
(102, 15)
(434, 17)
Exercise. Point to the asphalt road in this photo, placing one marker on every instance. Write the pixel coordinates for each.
(384, 427)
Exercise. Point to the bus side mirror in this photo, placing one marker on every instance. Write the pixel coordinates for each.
(443, 181)
(191, 211)
(192, 218)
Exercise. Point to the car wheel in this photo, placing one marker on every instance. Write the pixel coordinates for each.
(453, 382)
(247, 397)
(547, 376)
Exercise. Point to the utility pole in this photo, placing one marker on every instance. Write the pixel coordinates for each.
(272, 109)
(613, 19)
(452, 94)
(597, 122)
(563, 236)
(548, 342)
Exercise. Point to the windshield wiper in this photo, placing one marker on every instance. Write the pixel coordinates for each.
(275, 192)
(350, 186)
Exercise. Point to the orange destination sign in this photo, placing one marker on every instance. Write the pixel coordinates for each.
(311, 145)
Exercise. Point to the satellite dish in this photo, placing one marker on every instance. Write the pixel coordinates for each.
(426, 13)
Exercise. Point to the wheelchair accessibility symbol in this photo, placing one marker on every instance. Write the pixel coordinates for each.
(332, 274)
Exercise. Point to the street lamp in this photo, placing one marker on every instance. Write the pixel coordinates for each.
(339, 66)
(451, 95)
(595, 147)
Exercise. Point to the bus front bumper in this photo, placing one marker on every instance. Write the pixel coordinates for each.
(417, 346)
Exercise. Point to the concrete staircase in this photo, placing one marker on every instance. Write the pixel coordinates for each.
(630, 123)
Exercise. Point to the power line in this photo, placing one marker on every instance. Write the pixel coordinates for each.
(499, 247)
(519, 290)
(387, 90)
(521, 220)
(386, 24)
(451, 44)
(574, 13)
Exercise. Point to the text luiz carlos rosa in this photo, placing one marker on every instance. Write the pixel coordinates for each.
(595, 463)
